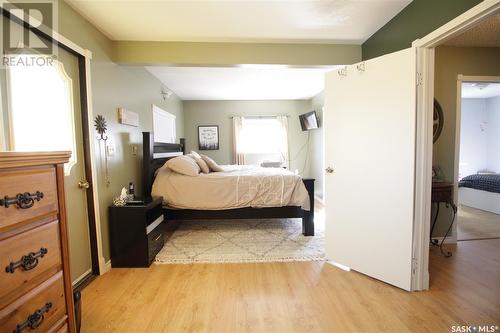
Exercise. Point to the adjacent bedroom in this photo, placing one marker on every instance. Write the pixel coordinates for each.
(479, 167)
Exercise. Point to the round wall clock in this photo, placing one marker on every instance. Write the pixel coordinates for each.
(438, 121)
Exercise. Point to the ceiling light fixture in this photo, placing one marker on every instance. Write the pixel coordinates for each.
(165, 93)
(480, 85)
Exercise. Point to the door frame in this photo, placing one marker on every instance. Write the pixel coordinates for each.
(84, 57)
(424, 147)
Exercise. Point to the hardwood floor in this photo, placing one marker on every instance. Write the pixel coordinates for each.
(474, 223)
(295, 297)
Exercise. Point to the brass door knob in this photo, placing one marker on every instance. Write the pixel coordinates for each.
(329, 170)
(83, 184)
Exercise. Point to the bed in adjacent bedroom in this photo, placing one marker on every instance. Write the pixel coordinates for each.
(481, 191)
(233, 192)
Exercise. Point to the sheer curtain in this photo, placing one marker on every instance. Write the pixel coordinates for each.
(239, 156)
(283, 122)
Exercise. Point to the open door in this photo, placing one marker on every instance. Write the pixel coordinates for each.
(369, 120)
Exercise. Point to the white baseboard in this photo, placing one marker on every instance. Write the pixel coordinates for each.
(80, 278)
(107, 267)
(104, 266)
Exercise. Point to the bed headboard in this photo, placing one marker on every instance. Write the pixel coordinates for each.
(154, 155)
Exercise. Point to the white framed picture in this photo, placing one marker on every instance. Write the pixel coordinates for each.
(208, 137)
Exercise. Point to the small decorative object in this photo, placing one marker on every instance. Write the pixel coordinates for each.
(208, 137)
(101, 127)
(438, 121)
(122, 199)
(131, 191)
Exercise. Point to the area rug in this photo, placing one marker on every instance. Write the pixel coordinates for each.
(242, 241)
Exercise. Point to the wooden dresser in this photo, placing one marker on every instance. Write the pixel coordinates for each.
(35, 283)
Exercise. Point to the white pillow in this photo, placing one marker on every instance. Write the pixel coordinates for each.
(211, 164)
(201, 163)
(184, 165)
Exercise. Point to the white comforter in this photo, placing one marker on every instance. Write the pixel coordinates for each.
(235, 187)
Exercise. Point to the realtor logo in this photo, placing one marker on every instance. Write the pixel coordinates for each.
(16, 39)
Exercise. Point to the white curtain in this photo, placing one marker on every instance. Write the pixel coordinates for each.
(283, 121)
(238, 155)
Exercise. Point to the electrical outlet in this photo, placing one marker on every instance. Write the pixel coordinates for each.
(110, 149)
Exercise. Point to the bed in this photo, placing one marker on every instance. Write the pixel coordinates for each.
(288, 204)
(481, 191)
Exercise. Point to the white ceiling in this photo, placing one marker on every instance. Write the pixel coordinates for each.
(326, 21)
(480, 90)
(248, 82)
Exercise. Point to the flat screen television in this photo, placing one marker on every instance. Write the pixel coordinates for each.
(309, 121)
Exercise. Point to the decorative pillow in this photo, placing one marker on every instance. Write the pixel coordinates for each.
(201, 163)
(184, 165)
(211, 164)
(195, 154)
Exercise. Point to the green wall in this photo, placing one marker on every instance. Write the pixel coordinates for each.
(113, 86)
(316, 146)
(416, 20)
(220, 112)
(209, 54)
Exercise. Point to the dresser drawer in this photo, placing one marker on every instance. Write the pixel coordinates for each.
(40, 248)
(41, 188)
(41, 308)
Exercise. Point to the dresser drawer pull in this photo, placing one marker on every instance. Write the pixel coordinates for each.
(22, 200)
(27, 262)
(34, 320)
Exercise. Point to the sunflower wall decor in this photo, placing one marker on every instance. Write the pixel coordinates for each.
(101, 127)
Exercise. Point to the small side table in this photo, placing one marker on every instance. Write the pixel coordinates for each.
(442, 192)
(136, 233)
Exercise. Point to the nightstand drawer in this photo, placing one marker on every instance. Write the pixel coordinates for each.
(156, 240)
(38, 310)
(27, 260)
(26, 194)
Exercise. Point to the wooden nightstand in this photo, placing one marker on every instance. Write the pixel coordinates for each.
(136, 233)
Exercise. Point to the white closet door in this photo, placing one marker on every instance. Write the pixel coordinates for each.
(370, 145)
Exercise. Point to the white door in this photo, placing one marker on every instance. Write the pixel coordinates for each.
(370, 145)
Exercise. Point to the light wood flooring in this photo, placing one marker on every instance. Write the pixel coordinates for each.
(474, 223)
(295, 297)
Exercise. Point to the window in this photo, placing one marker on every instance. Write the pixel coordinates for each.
(163, 125)
(41, 109)
(266, 138)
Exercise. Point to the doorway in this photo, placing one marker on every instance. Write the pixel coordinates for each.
(44, 108)
(479, 161)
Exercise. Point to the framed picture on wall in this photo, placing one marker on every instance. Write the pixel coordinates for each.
(208, 137)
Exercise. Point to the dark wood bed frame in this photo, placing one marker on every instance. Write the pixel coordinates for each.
(151, 164)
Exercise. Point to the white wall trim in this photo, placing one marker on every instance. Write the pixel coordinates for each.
(81, 277)
(425, 100)
(106, 267)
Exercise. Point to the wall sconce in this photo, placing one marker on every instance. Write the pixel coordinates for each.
(165, 93)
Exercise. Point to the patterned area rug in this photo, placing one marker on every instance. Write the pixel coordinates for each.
(240, 241)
